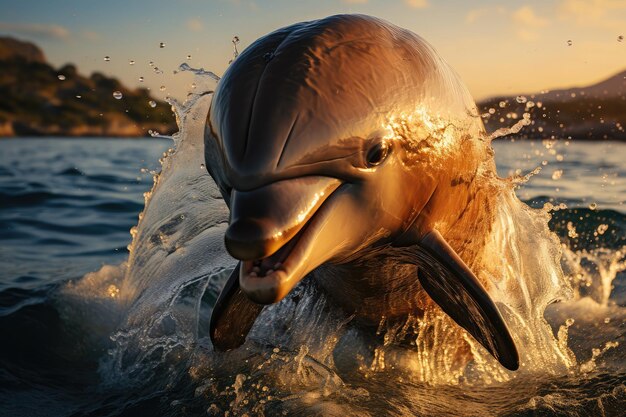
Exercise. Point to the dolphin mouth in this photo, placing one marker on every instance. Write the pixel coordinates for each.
(271, 232)
(267, 280)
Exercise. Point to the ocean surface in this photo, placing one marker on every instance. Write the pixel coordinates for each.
(67, 207)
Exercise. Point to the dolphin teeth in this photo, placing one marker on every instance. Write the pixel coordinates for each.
(253, 274)
(278, 265)
(256, 269)
(269, 272)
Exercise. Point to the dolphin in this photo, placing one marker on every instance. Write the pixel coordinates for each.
(349, 152)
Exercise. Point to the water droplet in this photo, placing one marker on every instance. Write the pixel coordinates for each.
(593, 206)
(140, 79)
(113, 291)
(162, 45)
(202, 167)
(569, 322)
(571, 230)
(79, 96)
(235, 51)
(620, 38)
(162, 88)
(521, 99)
(151, 63)
(558, 173)
(492, 110)
(107, 58)
(502, 104)
(569, 42)
(131, 62)
(607, 320)
(117, 95)
(188, 56)
(152, 103)
(61, 77)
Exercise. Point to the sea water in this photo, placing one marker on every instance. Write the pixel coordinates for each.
(95, 323)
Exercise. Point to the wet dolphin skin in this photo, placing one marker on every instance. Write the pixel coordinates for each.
(347, 152)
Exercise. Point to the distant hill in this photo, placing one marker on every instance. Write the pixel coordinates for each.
(34, 101)
(39, 100)
(594, 112)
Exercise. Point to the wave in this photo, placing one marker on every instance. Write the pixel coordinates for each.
(132, 338)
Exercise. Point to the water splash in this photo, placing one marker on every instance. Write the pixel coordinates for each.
(304, 353)
(235, 42)
(200, 72)
(591, 365)
(592, 272)
(505, 131)
(177, 244)
(176, 248)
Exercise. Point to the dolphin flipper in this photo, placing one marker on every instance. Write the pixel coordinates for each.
(453, 286)
(233, 315)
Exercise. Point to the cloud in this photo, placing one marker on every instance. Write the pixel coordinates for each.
(37, 30)
(417, 4)
(608, 14)
(528, 23)
(589, 9)
(195, 25)
(477, 14)
(526, 16)
(525, 22)
(527, 35)
(91, 35)
(474, 15)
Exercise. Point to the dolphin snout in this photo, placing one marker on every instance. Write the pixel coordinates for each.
(247, 239)
(267, 230)
(263, 220)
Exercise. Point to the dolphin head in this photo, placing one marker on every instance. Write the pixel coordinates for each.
(306, 138)
(333, 138)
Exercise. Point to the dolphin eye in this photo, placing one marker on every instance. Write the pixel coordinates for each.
(377, 154)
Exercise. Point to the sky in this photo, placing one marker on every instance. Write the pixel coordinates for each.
(497, 47)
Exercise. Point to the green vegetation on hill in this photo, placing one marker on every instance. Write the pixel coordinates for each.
(35, 101)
